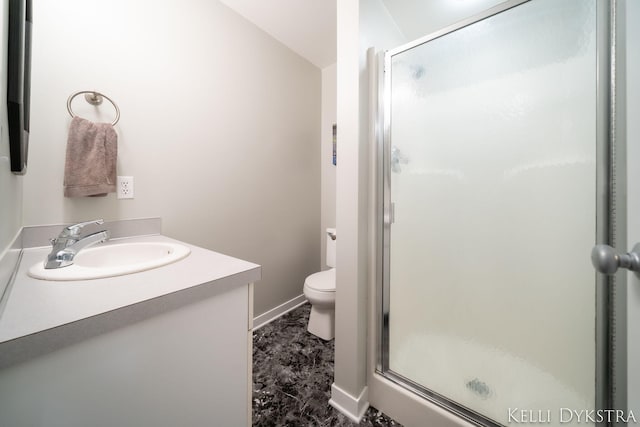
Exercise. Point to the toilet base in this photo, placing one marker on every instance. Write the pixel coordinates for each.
(321, 322)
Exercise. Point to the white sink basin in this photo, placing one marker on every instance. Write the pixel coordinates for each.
(114, 260)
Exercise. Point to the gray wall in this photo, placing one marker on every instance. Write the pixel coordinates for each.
(220, 129)
(328, 170)
(10, 184)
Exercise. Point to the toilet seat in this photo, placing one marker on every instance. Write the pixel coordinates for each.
(322, 281)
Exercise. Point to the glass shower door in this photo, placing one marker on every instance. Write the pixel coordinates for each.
(491, 201)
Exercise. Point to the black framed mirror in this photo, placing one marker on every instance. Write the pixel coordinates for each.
(19, 83)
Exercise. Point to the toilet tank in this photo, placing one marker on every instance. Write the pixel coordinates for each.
(331, 247)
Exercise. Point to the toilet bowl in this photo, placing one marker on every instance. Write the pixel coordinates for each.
(320, 290)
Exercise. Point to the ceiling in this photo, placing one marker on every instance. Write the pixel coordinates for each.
(308, 27)
(417, 18)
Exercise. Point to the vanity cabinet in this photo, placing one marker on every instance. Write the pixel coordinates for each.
(182, 358)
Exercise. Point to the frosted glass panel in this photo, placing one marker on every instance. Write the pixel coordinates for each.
(493, 135)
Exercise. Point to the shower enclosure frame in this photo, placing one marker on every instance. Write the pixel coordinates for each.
(610, 327)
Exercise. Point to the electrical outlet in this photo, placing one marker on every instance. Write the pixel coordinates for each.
(125, 187)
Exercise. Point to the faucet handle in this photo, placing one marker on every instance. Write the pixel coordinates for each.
(74, 230)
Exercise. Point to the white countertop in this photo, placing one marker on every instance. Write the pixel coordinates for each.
(34, 305)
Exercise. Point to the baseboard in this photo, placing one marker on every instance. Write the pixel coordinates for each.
(353, 408)
(274, 313)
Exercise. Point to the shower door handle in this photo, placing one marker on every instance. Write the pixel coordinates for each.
(397, 158)
(607, 260)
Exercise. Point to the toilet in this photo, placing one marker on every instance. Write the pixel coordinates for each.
(320, 290)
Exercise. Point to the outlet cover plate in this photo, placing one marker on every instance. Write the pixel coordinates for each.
(124, 187)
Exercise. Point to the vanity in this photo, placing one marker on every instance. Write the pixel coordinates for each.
(168, 346)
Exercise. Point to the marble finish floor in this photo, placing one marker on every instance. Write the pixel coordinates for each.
(292, 377)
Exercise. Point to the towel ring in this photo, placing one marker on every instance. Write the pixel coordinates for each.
(93, 98)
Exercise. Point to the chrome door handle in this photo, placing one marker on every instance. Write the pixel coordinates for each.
(606, 260)
(397, 158)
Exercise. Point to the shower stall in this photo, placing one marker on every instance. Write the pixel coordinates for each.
(498, 177)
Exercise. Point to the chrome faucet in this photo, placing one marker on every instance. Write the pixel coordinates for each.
(70, 241)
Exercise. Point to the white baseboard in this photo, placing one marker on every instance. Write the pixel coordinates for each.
(274, 313)
(353, 408)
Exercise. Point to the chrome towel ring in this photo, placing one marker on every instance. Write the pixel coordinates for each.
(93, 98)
